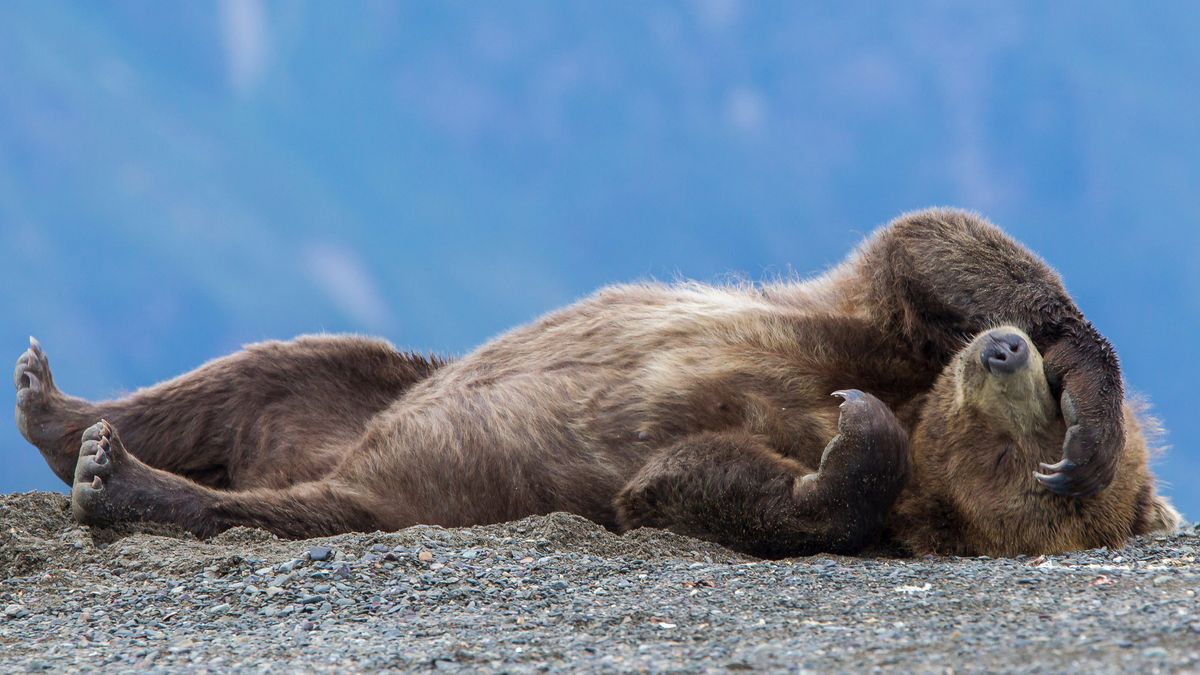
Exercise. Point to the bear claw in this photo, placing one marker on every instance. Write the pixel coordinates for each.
(100, 431)
(1061, 465)
(36, 395)
(848, 395)
(1056, 477)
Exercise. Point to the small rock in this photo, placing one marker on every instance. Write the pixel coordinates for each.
(424, 556)
(15, 611)
(319, 553)
(1159, 581)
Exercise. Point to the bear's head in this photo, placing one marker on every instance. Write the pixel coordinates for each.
(988, 423)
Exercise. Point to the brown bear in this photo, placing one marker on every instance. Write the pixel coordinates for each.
(975, 411)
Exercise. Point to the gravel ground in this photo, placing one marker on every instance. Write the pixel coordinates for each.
(559, 592)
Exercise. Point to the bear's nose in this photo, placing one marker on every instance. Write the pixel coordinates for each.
(1004, 352)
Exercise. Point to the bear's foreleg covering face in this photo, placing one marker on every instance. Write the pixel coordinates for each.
(730, 487)
(1084, 365)
(939, 274)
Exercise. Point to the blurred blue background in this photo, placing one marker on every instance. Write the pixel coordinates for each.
(178, 179)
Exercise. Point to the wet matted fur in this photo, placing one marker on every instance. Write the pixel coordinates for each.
(976, 412)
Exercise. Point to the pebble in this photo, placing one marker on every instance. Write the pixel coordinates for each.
(15, 611)
(319, 553)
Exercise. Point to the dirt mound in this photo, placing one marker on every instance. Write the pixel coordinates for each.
(38, 533)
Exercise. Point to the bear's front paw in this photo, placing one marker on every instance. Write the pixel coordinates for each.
(1090, 451)
(871, 443)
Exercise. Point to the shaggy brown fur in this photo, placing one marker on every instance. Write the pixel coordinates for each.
(994, 421)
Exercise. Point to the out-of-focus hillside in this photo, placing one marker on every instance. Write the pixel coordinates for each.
(178, 179)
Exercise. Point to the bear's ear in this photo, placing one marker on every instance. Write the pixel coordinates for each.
(1160, 517)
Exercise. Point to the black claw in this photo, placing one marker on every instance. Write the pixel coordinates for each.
(848, 395)
(101, 456)
(1055, 482)
(1062, 465)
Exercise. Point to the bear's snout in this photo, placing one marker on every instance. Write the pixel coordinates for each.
(1004, 352)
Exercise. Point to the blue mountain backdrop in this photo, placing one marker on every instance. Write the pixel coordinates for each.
(178, 179)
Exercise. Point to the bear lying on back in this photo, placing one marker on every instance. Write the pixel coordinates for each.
(975, 411)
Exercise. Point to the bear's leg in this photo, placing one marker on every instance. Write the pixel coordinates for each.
(733, 489)
(226, 423)
(942, 276)
(112, 487)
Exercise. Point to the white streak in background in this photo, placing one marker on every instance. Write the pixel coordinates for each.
(745, 109)
(344, 278)
(244, 28)
(718, 14)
